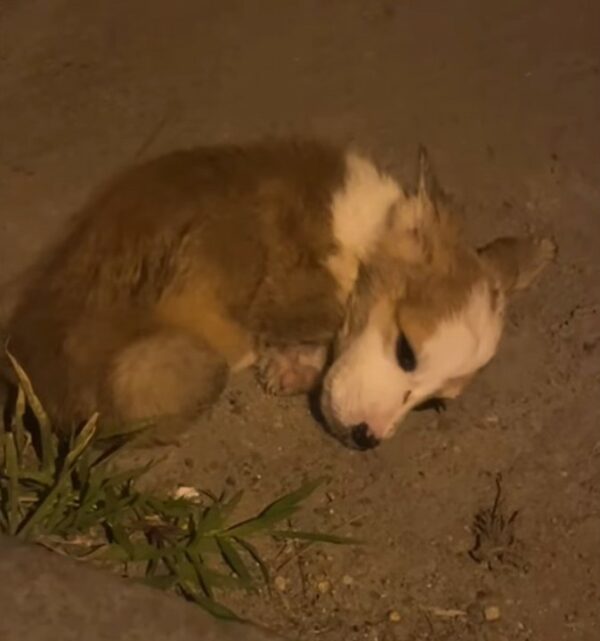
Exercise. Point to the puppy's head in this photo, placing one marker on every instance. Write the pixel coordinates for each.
(425, 315)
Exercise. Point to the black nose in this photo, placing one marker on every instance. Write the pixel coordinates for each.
(362, 437)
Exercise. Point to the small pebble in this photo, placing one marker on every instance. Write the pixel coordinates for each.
(280, 583)
(186, 492)
(347, 579)
(324, 587)
(492, 613)
(394, 616)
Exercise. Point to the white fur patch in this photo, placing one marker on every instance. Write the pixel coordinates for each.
(461, 344)
(366, 384)
(359, 212)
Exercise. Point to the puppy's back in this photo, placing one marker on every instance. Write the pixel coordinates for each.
(209, 213)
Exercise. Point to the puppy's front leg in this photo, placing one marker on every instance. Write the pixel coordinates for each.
(296, 322)
(291, 369)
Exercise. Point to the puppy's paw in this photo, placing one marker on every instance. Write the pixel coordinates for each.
(285, 371)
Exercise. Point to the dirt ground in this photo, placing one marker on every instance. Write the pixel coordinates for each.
(506, 96)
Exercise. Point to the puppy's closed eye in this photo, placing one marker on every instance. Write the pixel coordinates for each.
(404, 354)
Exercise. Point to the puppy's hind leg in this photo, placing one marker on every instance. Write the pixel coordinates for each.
(167, 377)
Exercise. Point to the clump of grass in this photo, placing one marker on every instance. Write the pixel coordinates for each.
(65, 496)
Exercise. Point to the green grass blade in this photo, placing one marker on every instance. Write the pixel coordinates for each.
(121, 538)
(37, 478)
(180, 565)
(256, 557)
(206, 582)
(60, 511)
(285, 506)
(83, 469)
(63, 482)
(220, 580)
(17, 427)
(278, 511)
(205, 545)
(212, 521)
(12, 494)
(234, 560)
(46, 436)
(82, 441)
(213, 607)
(153, 565)
(44, 508)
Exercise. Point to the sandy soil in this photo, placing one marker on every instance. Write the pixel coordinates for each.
(506, 95)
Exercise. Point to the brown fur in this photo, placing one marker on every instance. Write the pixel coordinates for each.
(202, 261)
(133, 313)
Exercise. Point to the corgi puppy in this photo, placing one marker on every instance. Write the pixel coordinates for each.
(299, 258)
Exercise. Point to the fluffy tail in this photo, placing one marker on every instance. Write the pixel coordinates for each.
(120, 364)
(166, 374)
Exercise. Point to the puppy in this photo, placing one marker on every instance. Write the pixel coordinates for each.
(301, 259)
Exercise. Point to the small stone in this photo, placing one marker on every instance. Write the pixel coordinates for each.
(324, 586)
(187, 493)
(280, 583)
(394, 616)
(491, 613)
(347, 579)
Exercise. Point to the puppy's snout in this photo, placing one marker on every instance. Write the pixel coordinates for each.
(363, 438)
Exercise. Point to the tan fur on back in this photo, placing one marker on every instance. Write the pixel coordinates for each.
(197, 309)
(215, 242)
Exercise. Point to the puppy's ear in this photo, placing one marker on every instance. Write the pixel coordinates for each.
(517, 262)
(424, 214)
(413, 222)
(428, 188)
